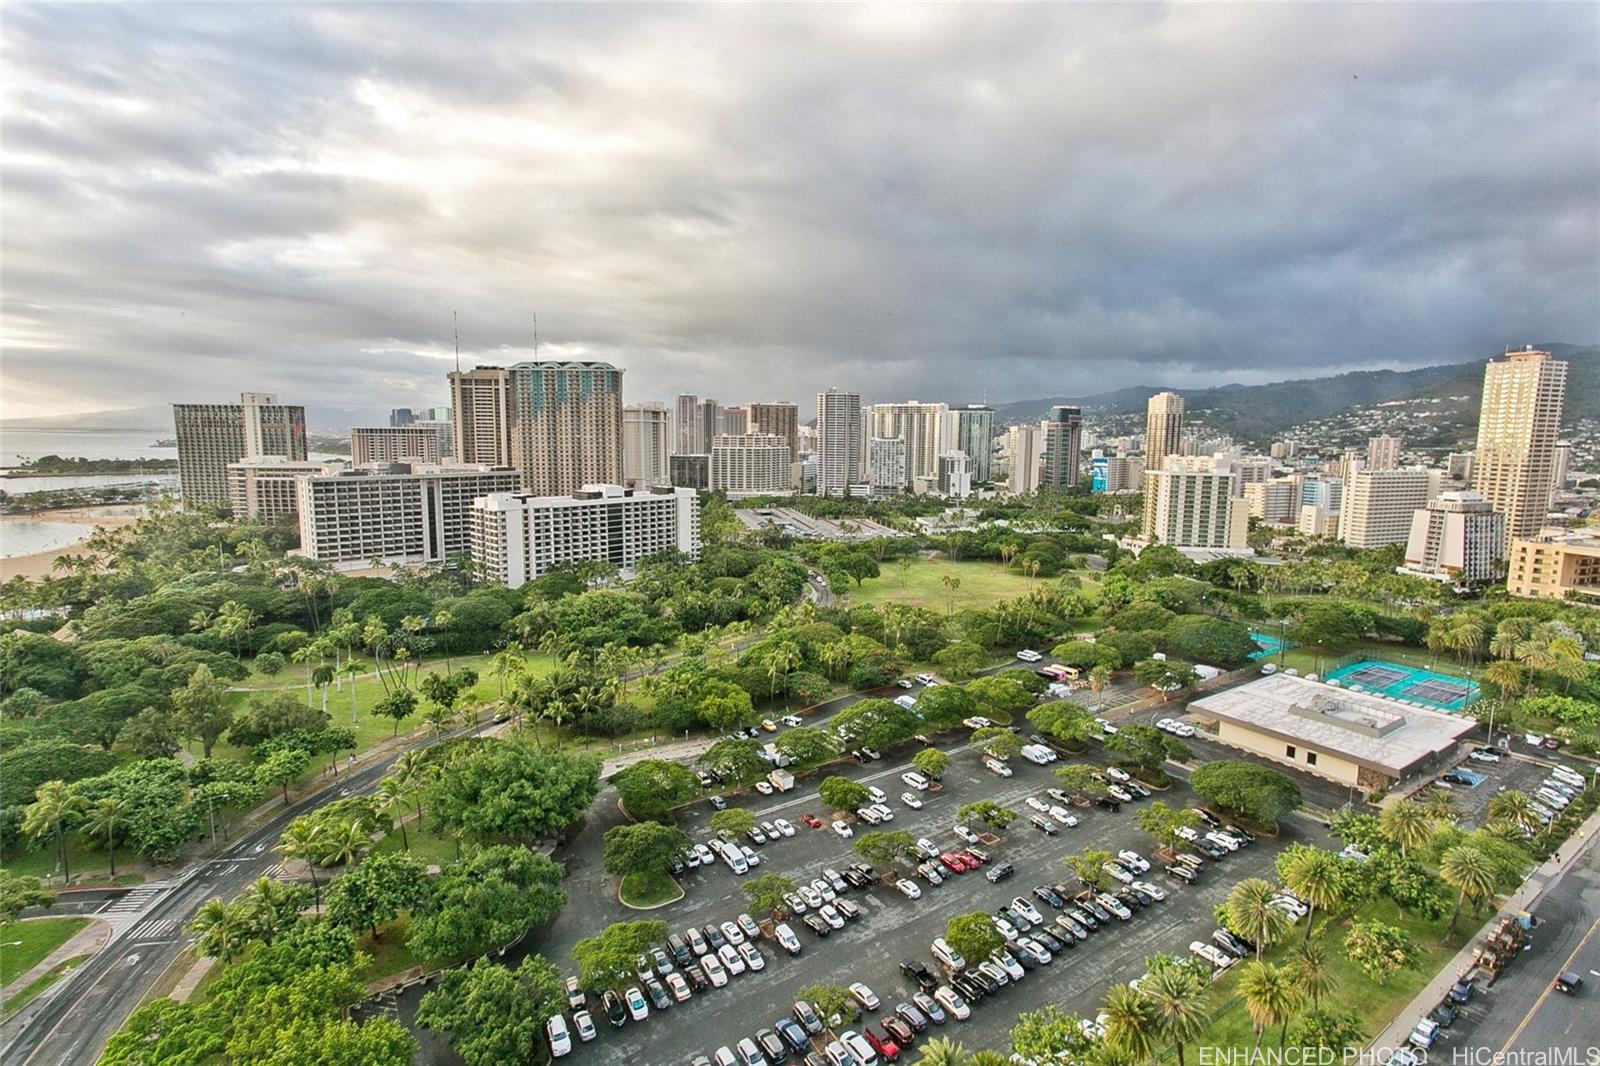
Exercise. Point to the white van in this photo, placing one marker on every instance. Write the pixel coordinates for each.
(915, 780)
(877, 794)
(734, 859)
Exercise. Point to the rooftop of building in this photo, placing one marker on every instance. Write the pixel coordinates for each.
(1377, 732)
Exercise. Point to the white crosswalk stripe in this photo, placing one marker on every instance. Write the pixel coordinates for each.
(135, 900)
(154, 929)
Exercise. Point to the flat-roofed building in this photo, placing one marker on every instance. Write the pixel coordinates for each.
(267, 489)
(414, 443)
(1124, 473)
(955, 475)
(480, 415)
(1063, 447)
(1025, 445)
(1378, 505)
(1276, 502)
(396, 513)
(689, 471)
(779, 418)
(516, 538)
(1458, 537)
(212, 435)
(886, 466)
(1523, 396)
(646, 444)
(1383, 453)
(1556, 564)
(1189, 503)
(750, 464)
(566, 424)
(1355, 738)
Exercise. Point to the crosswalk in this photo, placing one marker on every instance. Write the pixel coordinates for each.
(126, 910)
(154, 929)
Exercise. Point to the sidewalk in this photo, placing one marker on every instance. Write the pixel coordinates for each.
(1525, 898)
(86, 941)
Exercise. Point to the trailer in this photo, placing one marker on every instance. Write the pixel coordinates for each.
(782, 780)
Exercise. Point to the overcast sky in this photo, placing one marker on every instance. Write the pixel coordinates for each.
(755, 202)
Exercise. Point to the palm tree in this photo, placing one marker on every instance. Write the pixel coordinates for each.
(346, 841)
(1407, 824)
(1514, 805)
(1252, 915)
(1469, 871)
(391, 799)
(942, 1051)
(1441, 805)
(54, 806)
(1313, 875)
(271, 906)
(304, 840)
(223, 929)
(1507, 676)
(351, 669)
(103, 819)
(1177, 998)
(1311, 970)
(1099, 677)
(1131, 1022)
(1270, 997)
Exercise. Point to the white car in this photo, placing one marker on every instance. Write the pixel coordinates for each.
(1011, 966)
(750, 857)
(832, 917)
(1037, 804)
(864, 996)
(732, 931)
(1106, 727)
(1027, 910)
(1006, 929)
(1187, 833)
(791, 719)
(786, 939)
(908, 888)
(752, 957)
(1212, 954)
(1133, 861)
(1483, 756)
(715, 973)
(559, 1036)
(785, 827)
(795, 904)
(883, 811)
(910, 800)
(869, 815)
(977, 721)
(1224, 841)
(763, 788)
(948, 955)
(836, 880)
(951, 1000)
(926, 848)
(821, 887)
(583, 1022)
(731, 959)
(1182, 729)
(1155, 892)
(915, 780)
(1063, 816)
(860, 1051)
(704, 853)
(1165, 724)
(810, 895)
(966, 834)
(843, 830)
(678, 987)
(995, 766)
(1115, 774)
(1117, 872)
(638, 1009)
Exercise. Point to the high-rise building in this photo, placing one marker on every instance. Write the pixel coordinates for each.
(1315, 520)
(955, 475)
(212, 435)
(689, 471)
(707, 421)
(1379, 504)
(750, 464)
(1321, 490)
(442, 428)
(516, 538)
(1383, 453)
(1189, 503)
(396, 512)
(886, 466)
(1124, 473)
(1063, 440)
(1517, 427)
(733, 421)
(1458, 466)
(1556, 564)
(1276, 502)
(970, 429)
(566, 425)
(1250, 470)
(480, 414)
(1163, 428)
(646, 443)
(1560, 465)
(779, 418)
(266, 489)
(686, 425)
(401, 416)
(411, 443)
(839, 453)
(1457, 537)
(1025, 444)
(919, 425)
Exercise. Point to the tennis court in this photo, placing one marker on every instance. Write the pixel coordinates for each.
(1270, 645)
(1440, 691)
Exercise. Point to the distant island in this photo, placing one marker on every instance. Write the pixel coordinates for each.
(59, 465)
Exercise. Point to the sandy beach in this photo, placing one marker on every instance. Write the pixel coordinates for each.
(37, 565)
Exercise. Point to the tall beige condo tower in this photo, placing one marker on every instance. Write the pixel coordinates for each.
(1163, 427)
(839, 451)
(480, 415)
(566, 426)
(1515, 462)
(780, 419)
(646, 444)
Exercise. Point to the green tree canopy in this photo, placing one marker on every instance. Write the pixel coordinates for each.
(843, 794)
(651, 787)
(1247, 789)
(484, 900)
(377, 890)
(643, 848)
(509, 788)
(973, 936)
(493, 1014)
(608, 959)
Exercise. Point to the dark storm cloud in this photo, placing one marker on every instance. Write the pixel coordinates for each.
(756, 201)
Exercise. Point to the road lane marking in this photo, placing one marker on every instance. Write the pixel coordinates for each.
(1548, 988)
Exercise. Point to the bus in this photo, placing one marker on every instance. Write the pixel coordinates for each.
(1060, 673)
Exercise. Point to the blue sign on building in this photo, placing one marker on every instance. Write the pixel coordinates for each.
(1097, 468)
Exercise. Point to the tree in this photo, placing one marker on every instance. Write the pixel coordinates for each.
(651, 787)
(1407, 824)
(223, 929)
(988, 812)
(1471, 873)
(1270, 997)
(1201, 638)
(1314, 875)
(1047, 1035)
(1090, 868)
(884, 848)
(399, 704)
(1166, 676)
(959, 659)
(608, 960)
(303, 839)
(946, 706)
(832, 1002)
(1131, 1022)
(273, 715)
(151, 734)
(510, 788)
(1252, 916)
(766, 892)
(735, 760)
(18, 893)
(643, 848)
(282, 768)
(273, 907)
(102, 820)
(494, 1014)
(1380, 950)
(1086, 654)
(806, 745)
(1514, 805)
(376, 891)
(930, 762)
(200, 710)
(1000, 694)
(973, 936)
(1163, 823)
(1247, 789)
(55, 807)
(485, 900)
(1146, 748)
(997, 741)
(1441, 805)
(733, 822)
(1312, 971)
(1066, 721)
(1081, 781)
(1177, 998)
(843, 794)
(876, 723)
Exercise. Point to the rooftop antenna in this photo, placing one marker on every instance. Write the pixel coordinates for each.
(536, 334)
(455, 326)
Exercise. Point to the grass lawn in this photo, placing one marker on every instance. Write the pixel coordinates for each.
(649, 890)
(922, 584)
(389, 952)
(87, 863)
(23, 944)
(1376, 1004)
(39, 984)
(433, 848)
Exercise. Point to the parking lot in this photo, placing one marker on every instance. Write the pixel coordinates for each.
(892, 927)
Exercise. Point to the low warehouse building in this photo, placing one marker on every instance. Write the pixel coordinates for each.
(1354, 738)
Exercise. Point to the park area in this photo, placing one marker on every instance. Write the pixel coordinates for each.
(920, 582)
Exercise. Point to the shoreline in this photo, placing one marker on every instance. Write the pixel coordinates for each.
(36, 565)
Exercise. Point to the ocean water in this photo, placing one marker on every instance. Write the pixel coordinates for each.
(17, 444)
(25, 536)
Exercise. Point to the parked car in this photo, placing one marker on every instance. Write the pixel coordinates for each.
(843, 830)
(908, 888)
(638, 1009)
(910, 799)
(919, 973)
(1000, 872)
(787, 940)
(952, 1001)
(559, 1036)
(806, 1015)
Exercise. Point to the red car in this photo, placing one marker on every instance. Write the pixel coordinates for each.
(952, 862)
(883, 1044)
(972, 861)
(812, 820)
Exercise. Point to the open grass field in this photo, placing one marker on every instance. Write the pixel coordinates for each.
(1376, 1004)
(23, 944)
(921, 584)
(388, 950)
(649, 890)
(89, 864)
(431, 847)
